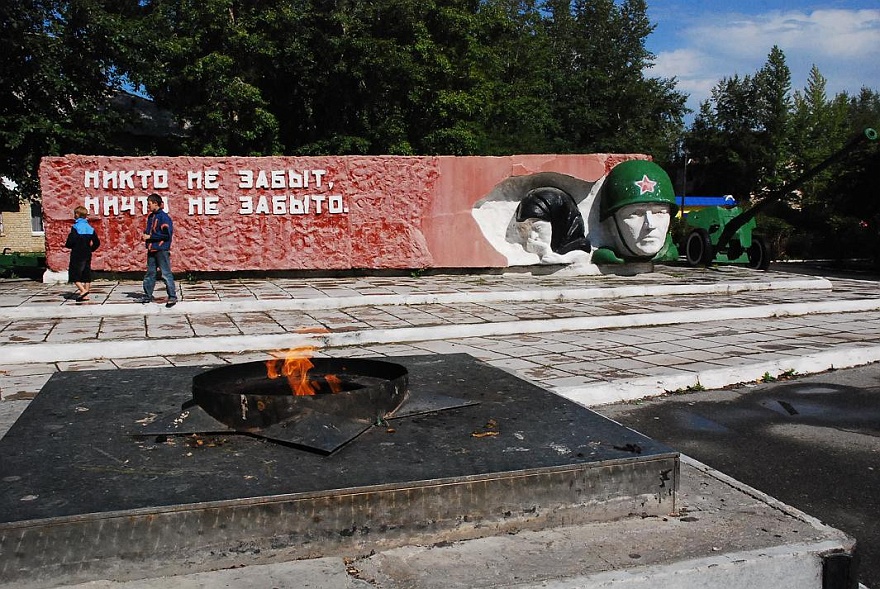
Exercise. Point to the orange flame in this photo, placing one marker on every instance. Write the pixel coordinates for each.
(333, 382)
(294, 365)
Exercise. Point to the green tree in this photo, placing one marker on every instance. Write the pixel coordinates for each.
(854, 194)
(368, 56)
(510, 67)
(819, 127)
(407, 76)
(262, 77)
(834, 212)
(59, 76)
(405, 65)
(200, 61)
(751, 138)
(312, 77)
(773, 93)
(817, 123)
(739, 137)
(604, 102)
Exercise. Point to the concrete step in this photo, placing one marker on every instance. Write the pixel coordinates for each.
(722, 535)
(625, 311)
(107, 302)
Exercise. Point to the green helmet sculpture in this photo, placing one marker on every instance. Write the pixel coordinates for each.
(634, 182)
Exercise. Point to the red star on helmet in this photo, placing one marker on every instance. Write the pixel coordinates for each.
(645, 185)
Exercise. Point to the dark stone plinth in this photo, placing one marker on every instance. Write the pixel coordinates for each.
(85, 495)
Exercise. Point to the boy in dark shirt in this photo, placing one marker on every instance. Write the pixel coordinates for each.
(81, 242)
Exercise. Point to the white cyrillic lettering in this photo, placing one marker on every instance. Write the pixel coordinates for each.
(296, 206)
(144, 175)
(279, 204)
(212, 205)
(126, 179)
(109, 180)
(206, 179)
(245, 179)
(246, 205)
(194, 180)
(195, 206)
(111, 203)
(278, 179)
(318, 199)
(262, 180)
(128, 205)
(91, 177)
(334, 203)
(93, 204)
(262, 205)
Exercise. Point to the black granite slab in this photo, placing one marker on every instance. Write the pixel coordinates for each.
(77, 458)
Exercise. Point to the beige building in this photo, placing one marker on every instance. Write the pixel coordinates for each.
(22, 230)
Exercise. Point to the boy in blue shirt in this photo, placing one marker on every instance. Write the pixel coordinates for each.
(157, 237)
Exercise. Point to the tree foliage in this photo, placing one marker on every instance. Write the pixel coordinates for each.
(739, 136)
(265, 77)
(606, 104)
(754, 138)
(57, 67)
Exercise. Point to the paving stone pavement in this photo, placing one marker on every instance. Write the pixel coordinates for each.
(593, 339)
(590, 339)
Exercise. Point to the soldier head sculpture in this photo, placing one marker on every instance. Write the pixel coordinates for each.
(621, 221)
(551, 226)
(636, 206)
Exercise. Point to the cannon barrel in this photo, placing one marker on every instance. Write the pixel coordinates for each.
(737, 222)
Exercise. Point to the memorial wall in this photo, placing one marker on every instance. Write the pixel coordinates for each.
(311, 213)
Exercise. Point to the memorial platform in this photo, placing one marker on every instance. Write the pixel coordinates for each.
(586, 340)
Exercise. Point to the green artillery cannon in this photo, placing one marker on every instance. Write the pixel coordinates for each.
(12, 263)
(727, 234)
(744, 247)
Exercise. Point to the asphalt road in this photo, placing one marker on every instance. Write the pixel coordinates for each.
(811, 442)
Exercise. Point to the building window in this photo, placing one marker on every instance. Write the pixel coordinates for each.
(36, 218)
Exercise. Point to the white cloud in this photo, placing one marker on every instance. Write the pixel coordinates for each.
(843, 44)
(693, 69)
(843, 34)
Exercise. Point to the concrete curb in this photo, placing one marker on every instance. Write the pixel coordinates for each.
(640, 388)
(64, 311)
(149, 348)
(798, 564)
(753, 492)
(791, 565)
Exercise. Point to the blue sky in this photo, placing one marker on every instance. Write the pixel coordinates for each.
(701, 42)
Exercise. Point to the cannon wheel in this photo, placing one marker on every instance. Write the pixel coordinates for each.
(698, 248)
(759, 253)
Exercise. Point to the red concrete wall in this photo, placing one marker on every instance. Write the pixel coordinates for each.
(240, 213)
